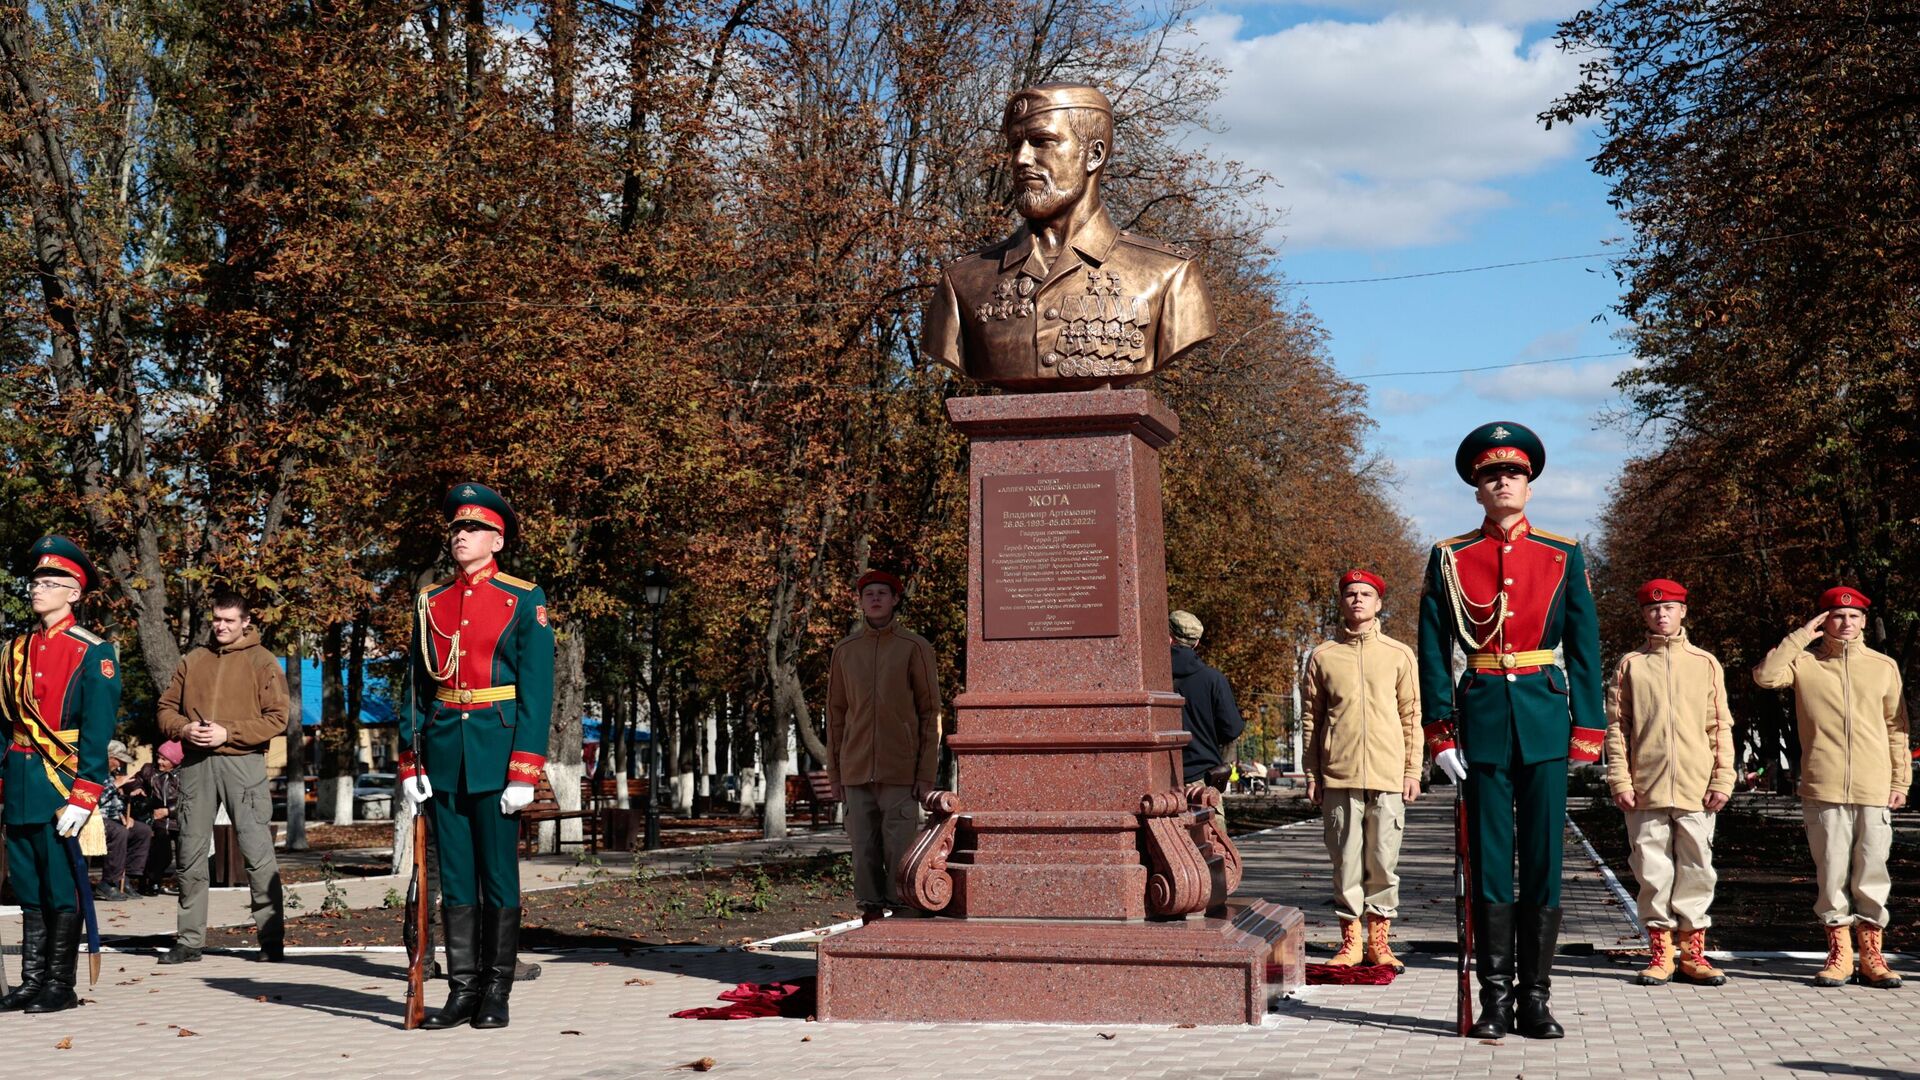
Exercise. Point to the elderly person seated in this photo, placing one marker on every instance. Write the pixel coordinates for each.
(128, 840)
(154, 799)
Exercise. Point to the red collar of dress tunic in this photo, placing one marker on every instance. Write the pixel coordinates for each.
(485, 573)
(65, 624)
(1492, 532)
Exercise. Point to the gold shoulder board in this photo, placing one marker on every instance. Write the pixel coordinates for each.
(86, 635)
(1556, 536)
(1452, 540)
(441, 584)
(518, 583)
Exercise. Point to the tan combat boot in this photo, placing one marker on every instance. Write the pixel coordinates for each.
(1350, 947)
(1873, 966)
(1379, 947)
(1839, 958)
(1659, 968)
(1694, 965)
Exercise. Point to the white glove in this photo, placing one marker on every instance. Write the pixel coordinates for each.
(1452, 763)
(416, 789)
(71, 819)
(516, 798)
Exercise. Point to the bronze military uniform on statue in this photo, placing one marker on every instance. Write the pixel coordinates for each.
(1107, 308)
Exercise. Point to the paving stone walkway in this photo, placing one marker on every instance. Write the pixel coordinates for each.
(605, 1016)
(1289, 865)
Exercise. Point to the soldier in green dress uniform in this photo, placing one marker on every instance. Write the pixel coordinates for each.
(1507, 595)
(481, 706)
(60, 697)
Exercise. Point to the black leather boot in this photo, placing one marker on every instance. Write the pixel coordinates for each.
(1539, 933)
(1493, 964)
(461, 923)
(63, 954)
(500, 942)
(33, 961)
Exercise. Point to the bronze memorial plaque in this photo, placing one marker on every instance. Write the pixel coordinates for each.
(1047, 545)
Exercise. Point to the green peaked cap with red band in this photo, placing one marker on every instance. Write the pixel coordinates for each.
(479, 503)
(56, 554)
(1501, 442)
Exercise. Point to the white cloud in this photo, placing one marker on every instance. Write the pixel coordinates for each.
(1581, 384)
(1519, 12)
(1566, 499)
(1394, 402)
(1390, 133)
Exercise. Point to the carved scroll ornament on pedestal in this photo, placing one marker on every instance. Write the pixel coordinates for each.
(923, 876)
(1177, 882)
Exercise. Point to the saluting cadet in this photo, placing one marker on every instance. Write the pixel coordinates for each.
(60, 693)
(1670, 767)
(480, 710)
(1360, 723)
(1507, 594)
(1854, 772)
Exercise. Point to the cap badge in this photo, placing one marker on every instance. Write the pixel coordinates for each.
(1846, 598)
(1498, 433)
(1018, 107)
(1657, 594)
(467, 492)
(47, 544)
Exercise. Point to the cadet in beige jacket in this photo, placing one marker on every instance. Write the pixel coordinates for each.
(1670, 766)
(1854, 772)
(883, 734)
(1361, 728)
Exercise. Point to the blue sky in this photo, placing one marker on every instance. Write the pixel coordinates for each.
(1403, 140)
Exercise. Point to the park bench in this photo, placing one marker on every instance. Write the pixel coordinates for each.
(544, 808)
(816, 791)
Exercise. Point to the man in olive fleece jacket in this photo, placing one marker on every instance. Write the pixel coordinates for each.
(1854, 772)
(883, 735)
(225, 704)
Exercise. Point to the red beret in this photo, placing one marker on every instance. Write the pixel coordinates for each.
(1660, 591)
(878, 577)
(1841, 596)
(1363, 577)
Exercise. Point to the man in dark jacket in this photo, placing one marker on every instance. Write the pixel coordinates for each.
(1211, 717)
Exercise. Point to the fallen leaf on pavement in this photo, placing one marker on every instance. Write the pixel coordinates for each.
(186, 1034)
(806, 1038)
(702, 1065)
(262, 997)
(64, 1044)
(601, 963)
(639, 982)
(1183, 1025)
(569, 1032)
(1105, 1035)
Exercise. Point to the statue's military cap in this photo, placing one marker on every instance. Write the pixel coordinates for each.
(1050, 96)
(56, 554)
(480, 503)
(1499, 443)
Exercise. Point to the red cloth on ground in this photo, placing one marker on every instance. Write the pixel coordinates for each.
(1329, 975)
(751, 1000)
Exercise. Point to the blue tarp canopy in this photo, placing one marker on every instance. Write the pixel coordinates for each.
(376, 703)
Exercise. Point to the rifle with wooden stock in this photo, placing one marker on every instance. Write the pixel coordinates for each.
(418, 930)
(1463, 908)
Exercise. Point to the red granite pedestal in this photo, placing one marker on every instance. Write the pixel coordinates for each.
(1074, 881)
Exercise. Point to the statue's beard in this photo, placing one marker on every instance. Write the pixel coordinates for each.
(1045, 202)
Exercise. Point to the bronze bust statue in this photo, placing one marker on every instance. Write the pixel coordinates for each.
(1068, 302)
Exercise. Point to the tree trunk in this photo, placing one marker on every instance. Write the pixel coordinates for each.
(296, 752)
(336, 733)
(565, 762)
(773, 815)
